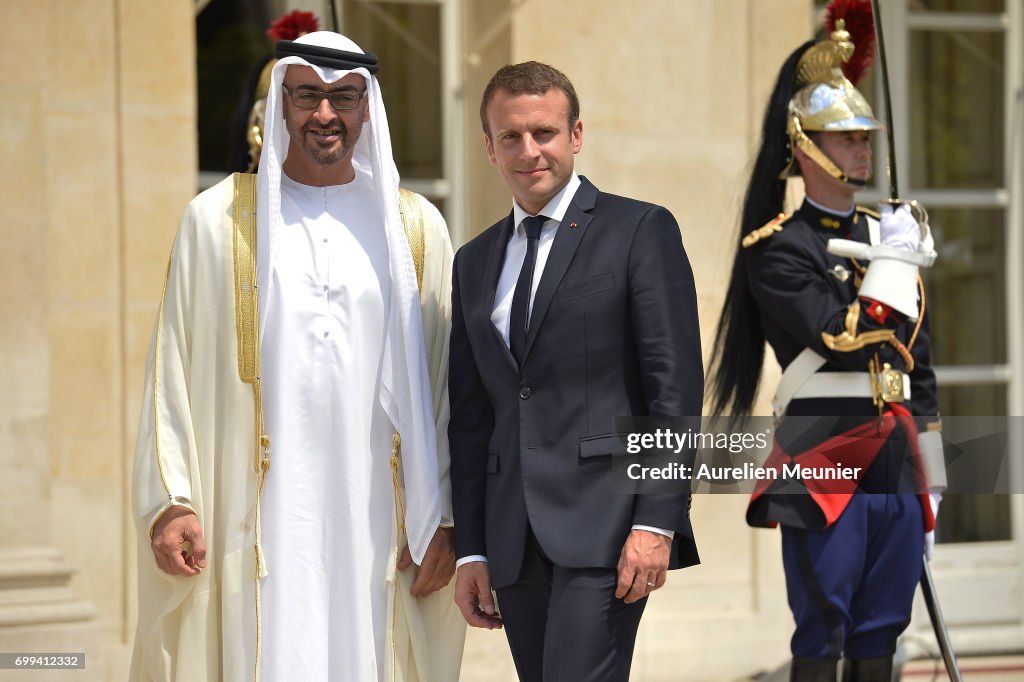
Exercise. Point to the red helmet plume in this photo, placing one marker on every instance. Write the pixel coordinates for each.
(861, 26)
(293, 25)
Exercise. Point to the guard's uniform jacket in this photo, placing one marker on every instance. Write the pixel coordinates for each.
(808, 298)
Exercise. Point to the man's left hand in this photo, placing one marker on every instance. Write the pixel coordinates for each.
(438, 565)
(643, 565)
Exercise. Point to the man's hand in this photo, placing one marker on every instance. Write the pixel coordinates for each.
(473, 595)
(178, 544)
(438, 564)
(899, 228)
(643, 565)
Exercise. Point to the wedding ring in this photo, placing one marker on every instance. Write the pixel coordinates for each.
(650, 584)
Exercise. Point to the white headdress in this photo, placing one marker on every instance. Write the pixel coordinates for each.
(405, 377)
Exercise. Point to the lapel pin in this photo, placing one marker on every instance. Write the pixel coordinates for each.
(572, 225)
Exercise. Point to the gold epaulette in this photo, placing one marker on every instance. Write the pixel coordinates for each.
(869, 212)
(767, 230)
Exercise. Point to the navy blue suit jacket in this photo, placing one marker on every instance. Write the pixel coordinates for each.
(613, 332)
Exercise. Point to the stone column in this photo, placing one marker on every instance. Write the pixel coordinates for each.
(59, 339)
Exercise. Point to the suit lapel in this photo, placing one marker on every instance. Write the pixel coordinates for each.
(570, 233)
(492, 271)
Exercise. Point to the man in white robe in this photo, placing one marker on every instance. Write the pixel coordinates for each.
(277, 524)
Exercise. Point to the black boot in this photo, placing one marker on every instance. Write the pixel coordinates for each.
(813, 670)
(867, 669)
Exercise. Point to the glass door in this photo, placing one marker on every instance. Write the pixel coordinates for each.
(955, 72)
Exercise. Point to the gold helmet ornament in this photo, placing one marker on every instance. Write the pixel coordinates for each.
(826, 99)
(286, 27)
(257, 117)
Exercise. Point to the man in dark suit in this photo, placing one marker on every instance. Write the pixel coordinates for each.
(576, 308)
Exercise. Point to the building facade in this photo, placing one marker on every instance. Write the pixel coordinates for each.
(672, 94)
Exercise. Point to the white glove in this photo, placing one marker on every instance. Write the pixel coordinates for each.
(899, 228)
(929, 537)
(907, 244)
(904, 236)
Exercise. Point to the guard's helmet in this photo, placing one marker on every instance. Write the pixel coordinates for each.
(826, 100)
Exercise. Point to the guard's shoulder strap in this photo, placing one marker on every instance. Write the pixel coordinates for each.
(796, 375)
(244, 256)
(765, 231)
(412, 221)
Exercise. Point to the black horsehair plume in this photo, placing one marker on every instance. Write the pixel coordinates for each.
(738, 351)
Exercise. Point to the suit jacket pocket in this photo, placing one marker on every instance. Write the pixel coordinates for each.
(606, 445)
(492, 463)
(588, 287)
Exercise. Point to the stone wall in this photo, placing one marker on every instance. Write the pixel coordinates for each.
(672, 95)
(98, 140)
(99, 146)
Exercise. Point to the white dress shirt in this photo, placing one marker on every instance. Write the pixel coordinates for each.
(515, 256)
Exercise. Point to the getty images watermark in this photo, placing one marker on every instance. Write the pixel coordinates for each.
(667, 440)
(714, 455)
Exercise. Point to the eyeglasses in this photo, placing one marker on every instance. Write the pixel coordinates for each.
(340, 100)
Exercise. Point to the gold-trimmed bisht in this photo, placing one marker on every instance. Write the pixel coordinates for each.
(247, 335)
(412, 221)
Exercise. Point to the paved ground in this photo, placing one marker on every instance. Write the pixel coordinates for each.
(973, 669)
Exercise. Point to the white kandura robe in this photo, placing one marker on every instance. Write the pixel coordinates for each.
(328, 508)
(196, 448)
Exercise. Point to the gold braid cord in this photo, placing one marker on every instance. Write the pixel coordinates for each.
(850, 340)
(908, 359)
(920, 317)
(396, 448)
(904, 351)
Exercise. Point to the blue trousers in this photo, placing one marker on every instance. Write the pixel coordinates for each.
(851, 586)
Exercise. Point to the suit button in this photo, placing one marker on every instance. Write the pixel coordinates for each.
(524, 392)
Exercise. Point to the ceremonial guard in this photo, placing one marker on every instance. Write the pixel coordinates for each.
(834, 289)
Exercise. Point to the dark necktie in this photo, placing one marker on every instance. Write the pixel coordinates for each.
(521, 298)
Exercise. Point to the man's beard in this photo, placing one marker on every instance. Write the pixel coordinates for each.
(325, 156)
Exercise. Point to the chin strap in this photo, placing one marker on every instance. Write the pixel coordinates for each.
(799, 138)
